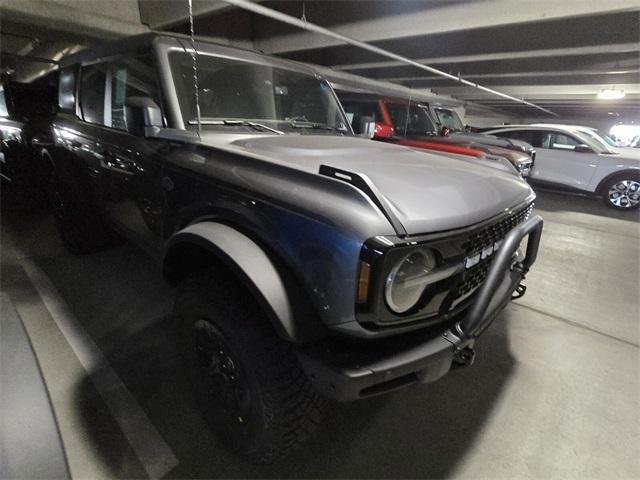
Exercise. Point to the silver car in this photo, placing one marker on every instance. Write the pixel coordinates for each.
(570, 158)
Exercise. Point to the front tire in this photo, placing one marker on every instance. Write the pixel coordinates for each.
(622, 192)
(246, 380)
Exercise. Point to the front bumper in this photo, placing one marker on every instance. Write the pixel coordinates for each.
(353, 371)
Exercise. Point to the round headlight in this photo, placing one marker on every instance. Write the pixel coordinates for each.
(407, 280)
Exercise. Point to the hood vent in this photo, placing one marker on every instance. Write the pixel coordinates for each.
(366, 186)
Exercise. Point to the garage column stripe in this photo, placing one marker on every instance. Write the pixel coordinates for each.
(145, 440)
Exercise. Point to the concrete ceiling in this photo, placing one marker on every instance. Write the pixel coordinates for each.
(556, 54)
(35, 34)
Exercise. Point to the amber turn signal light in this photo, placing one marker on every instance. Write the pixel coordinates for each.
(364, 274)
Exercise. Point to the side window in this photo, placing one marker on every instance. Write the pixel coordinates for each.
(130, 77)
(67, 89)
(446, 118)
(3, 104)
(92, 87)
(358, 113)
(564, 142)
(534, 138)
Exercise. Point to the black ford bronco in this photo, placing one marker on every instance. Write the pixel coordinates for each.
(309, 263)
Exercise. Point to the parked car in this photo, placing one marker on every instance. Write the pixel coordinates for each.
(447, 118)
(410, 123)
(309, 263)
(25, 109)
(568, 158)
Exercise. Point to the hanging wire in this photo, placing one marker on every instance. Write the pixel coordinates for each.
(194, 57)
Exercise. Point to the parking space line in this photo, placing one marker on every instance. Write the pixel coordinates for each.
(576, 324)
(154, 454)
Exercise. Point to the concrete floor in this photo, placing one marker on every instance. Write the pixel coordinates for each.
(554, 391)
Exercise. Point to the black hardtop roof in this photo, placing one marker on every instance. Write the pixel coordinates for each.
(132, 44)
(144, 41)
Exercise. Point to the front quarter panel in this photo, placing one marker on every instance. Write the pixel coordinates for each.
(611, 165)
(314, 225)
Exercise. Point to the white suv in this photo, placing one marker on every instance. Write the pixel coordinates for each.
(571, 159)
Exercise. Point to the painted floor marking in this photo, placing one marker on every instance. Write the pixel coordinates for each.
(155, 455)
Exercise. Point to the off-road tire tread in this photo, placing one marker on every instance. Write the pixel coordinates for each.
(294, 408)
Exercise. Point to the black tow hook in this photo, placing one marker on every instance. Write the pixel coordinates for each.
(464, 357)
(519, 292)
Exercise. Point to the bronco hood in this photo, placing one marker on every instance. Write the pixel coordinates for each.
(427, 192)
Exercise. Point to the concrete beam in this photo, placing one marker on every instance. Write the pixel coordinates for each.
(549, 73)
(91, 18)
(545, 92)
(160, 14)
(485, 57)
(442, 18)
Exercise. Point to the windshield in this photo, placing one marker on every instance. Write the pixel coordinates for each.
(597, 140)
(235, 94)
(449, 118)
(410, 119)
(610, 141)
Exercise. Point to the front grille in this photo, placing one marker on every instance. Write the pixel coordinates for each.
(485, 236)
(494, 232)
(472, 278)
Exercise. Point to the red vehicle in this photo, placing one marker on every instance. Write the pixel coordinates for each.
(409, 123)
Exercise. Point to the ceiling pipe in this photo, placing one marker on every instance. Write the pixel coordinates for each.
(305, 25)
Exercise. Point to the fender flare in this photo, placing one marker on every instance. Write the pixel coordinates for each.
(250, 264)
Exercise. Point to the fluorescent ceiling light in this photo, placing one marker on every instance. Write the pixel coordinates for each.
(610, 94)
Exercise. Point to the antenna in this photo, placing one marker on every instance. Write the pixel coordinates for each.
(194, 57)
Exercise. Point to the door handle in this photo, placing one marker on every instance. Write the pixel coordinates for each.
(112, 162)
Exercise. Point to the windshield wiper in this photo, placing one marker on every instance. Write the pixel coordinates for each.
(316, 126)
(234, 123)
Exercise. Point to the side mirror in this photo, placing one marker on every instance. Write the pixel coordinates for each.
(444, 132)
(583, 149)
(141, 112)
(382, 130)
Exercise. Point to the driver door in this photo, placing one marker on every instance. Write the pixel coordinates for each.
(133, 195)
(557, 161)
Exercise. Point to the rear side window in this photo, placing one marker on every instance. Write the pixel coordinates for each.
(131, 77)
(532, 137)
(92, 93)
(563, 142)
